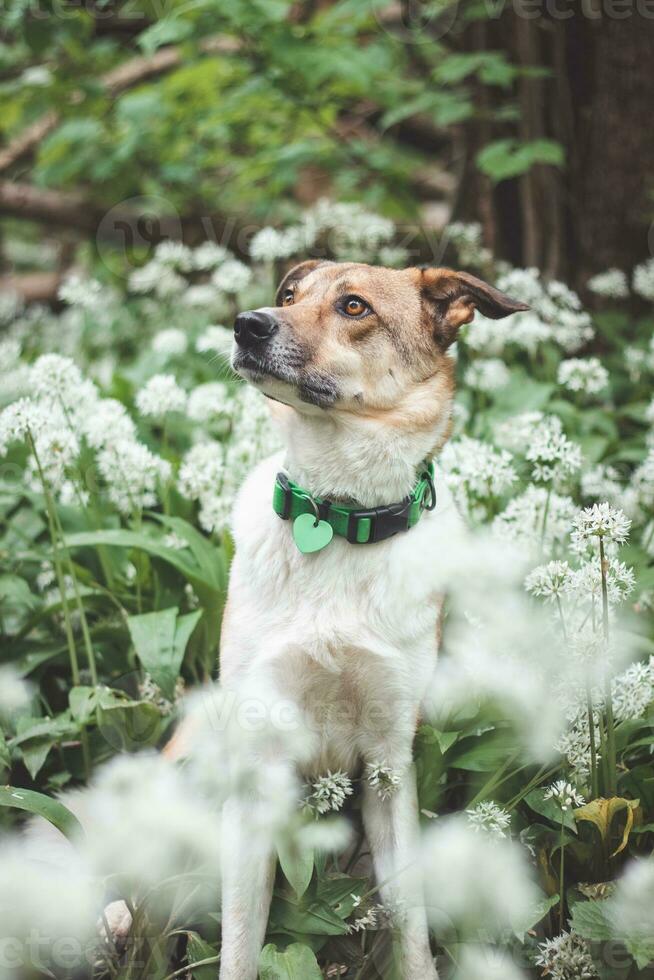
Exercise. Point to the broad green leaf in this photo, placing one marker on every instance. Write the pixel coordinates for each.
(296, 962)
(34, 752)
(590, 921)
(532, 916)
(315, 918)
(297, 865)
(152, 546)
(82, 701)
(210, 559)
(43, 806)
(129, 726)
(160, 640)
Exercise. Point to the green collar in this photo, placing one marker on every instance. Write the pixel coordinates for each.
(316, 519)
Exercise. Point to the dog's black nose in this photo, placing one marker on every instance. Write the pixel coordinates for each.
(253, 327)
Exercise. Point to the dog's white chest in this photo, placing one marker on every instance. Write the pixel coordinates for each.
(350, 632)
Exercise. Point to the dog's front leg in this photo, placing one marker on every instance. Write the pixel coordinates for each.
(392, 828)
(248, 872)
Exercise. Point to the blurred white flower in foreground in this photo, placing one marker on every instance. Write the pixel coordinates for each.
(48, 914)
(478, 884)
(485, 963)
(15, 693)
(487, 374)
(632, 905)
(145, 823)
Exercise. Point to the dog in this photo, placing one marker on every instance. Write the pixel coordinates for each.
(333, 602)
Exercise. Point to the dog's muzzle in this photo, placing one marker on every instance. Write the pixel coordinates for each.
(253, 328)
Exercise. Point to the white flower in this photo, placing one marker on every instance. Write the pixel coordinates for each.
(145, 824)
(169, 283)
(108, 423)
(534, 515)
(15, 693)
(566, 957)
(41, 903)
(160, 395)
(269, 244)
(231, 277)
(394, 256)
(478, 468)
(383, 779)
(564, 794)
(132, 474)
(602, 521)
(17, 420)
(473, 881)
(632, 905)
(55, 377)
(209, 254)
(601, 481)
(585, 374)
(488, 375)
(202, 294)
(644, 279)
(489, 818)
(611, 283)
(468, 241)
(38, 75)
(172, 341)
(209, 401)
(202, 470)
(586, 581)
(515, 433)
(145, 279)
(553, 455)
(633, 691)
(329, 792)
(174, 254)
(215, 338)
(548, 581)
(87, 294)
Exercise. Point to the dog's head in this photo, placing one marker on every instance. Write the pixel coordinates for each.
(351, 337)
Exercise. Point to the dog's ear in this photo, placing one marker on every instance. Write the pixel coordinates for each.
(451, 298)
(297, 273)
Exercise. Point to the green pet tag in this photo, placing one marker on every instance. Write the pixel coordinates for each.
(310, 535)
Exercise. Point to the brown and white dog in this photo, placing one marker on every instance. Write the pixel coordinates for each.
(357, 357)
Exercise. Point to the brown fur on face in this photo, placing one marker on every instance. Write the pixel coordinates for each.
(391, 360)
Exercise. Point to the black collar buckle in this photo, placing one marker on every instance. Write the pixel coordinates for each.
(384, 522)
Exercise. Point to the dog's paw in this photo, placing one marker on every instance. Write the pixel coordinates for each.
(117, 922)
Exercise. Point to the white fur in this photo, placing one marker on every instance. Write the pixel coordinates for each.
(349, 634)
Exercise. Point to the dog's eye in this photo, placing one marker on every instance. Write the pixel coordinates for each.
(355, 306)
(287, 297)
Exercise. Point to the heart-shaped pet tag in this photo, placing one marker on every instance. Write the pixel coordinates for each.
(311, 536)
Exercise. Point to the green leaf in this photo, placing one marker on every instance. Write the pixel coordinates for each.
(532, 916)
(296, 962)
(160, 640)
(43, 806)
(197, 949)
(507, 158)
(82, 701)
(297, 865)
(129, 726)
(197, 576)
(550, 809)
(315, 918)
(170, 30)
(482, 753)
(590, 921)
